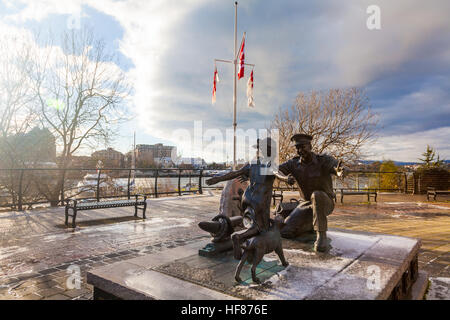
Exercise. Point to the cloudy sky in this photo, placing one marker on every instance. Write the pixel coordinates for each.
(167, 48)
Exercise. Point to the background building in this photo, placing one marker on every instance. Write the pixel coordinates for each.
(149, 155)
(111, 158)
(196, 163)
(164, 162)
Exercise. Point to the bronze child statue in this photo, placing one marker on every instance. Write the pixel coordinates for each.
(257, 196)
(256, 247)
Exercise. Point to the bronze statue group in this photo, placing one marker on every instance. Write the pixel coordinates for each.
(311, 171)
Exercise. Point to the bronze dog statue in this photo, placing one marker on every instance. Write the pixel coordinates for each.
(256, 247)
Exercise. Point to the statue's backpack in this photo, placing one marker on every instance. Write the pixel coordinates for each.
(285, 208)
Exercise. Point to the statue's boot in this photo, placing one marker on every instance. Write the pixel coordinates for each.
(212, 227)
(321, 244)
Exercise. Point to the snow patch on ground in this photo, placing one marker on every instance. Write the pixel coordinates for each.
(439, 289)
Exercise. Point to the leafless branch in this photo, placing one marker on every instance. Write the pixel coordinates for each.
(340, 121)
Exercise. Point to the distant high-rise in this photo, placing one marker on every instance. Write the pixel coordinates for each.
(150, 152)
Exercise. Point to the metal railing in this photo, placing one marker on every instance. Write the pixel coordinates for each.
(385, 181)
(380, 181)
(32, 186)
(26, 187)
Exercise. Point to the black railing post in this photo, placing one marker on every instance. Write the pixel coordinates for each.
(406, 183)
(419, 184)
(128, 185)
(200, 182)
(179, 182)
(62, 186)
(19, 206)
(98, 184)
(156, 183)
(379, 181)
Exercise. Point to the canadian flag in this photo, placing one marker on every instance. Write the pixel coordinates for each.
(250, 91)
(216, 79)
(241, 58)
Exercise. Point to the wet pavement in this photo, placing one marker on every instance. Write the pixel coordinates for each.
(38, 254)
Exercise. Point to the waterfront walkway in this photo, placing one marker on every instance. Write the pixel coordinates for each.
(36, 249)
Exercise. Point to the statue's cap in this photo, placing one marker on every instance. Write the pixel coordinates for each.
(301, 138)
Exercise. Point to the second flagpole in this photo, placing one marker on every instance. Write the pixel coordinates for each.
(234, 86)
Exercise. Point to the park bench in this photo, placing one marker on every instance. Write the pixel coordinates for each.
(433, 192)
(139, 203)
(358, 192)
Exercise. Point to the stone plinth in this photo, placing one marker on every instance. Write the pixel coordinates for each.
(359, 266)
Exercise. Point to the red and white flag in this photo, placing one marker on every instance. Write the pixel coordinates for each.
(216, 79)
(241, 58)
(250, 91)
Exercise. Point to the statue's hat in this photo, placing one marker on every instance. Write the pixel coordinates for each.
(301, 138)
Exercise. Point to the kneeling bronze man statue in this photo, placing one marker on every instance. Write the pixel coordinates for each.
(255, 248)
(313, 175)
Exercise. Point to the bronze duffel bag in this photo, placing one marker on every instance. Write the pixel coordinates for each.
(285, 208)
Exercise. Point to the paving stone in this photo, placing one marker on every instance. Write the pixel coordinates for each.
(8, 281)
(48, 271)
(123, 253)
(23, 291)
(98, 264)
(31, 296)
(49, 292)
(77, 292)
(46, 284)
(63, 267)
(92, 243)
(27, 276)
(57, 297)
(60, 274)
(41, 279)
(95, 259)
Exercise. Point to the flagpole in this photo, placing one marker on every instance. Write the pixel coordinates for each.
(234, 62)
(234, 87)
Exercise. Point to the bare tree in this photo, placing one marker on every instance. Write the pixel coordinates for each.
(339, 120)
(80, 93)
(16, 111)
(17, 115)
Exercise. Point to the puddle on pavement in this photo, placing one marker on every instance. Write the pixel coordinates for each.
(10, 251)
(149, 225)
(56, 237)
